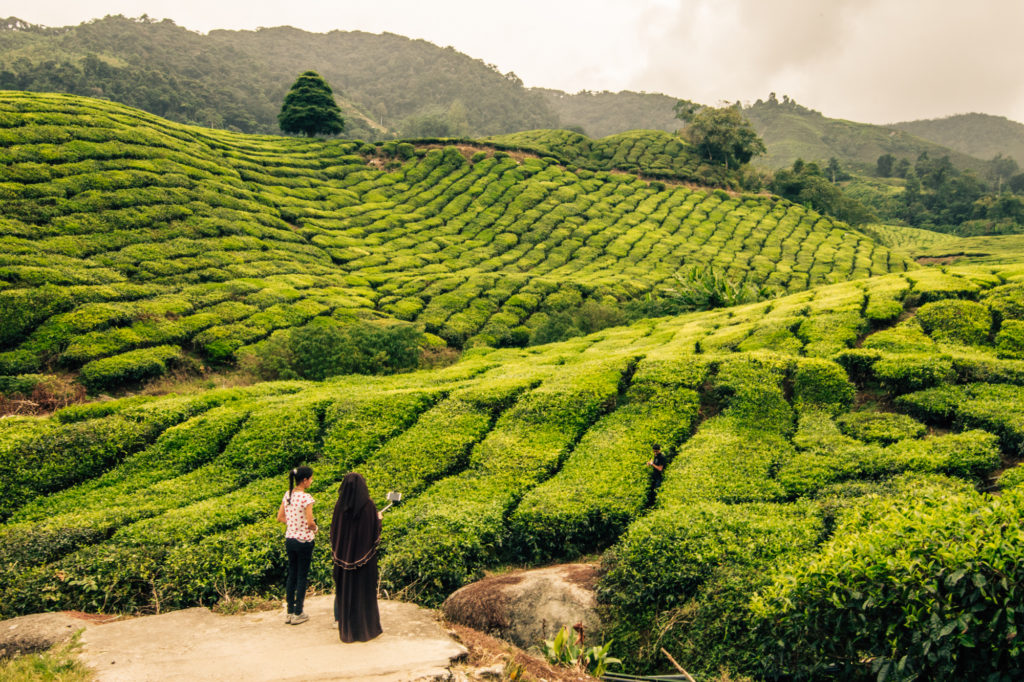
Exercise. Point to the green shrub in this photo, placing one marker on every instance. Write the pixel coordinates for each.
(604, 483)
(904, 373)
(1006, 301)
(1012, 477)
(891, 596)
(128, 369)
(906, 337)
(821, 384)
(443, 539)
(984, 406)
(1010, 339)
(279, 435)
(668, 579)
(325, 348)
(971, 454)
(880, 427)
(858, 362)
(956, 322)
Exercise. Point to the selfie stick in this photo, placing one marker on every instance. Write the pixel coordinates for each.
(392, 498)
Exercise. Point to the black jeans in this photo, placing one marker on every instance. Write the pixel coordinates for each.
(299, 555)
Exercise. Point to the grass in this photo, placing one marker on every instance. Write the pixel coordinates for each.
(58, 664)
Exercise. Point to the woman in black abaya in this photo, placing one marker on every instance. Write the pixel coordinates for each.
(355, 534)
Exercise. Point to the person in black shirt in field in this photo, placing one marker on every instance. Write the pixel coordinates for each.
(657, 464)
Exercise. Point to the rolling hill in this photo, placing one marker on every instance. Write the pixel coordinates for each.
(980, 135)
(237, 79)
(129, 240)
(833, 450)
(601, 114)
(389, 85)
(792, 132)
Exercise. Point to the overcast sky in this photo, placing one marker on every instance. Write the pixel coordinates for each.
(879, 61)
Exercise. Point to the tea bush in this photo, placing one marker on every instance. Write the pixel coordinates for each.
(892, 595)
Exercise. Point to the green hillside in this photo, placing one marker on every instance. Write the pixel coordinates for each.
(115, 504)
(792, 132)
(128, 240)
(237, 79)
(979, 135)
(844, 490)
(601, 114)
(651, 153)
(926, 245)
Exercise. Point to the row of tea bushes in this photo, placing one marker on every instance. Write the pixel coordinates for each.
(128, 237)
(442, 539)
(605, 484)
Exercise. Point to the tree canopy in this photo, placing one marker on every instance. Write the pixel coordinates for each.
(721, 135)
(309, 108)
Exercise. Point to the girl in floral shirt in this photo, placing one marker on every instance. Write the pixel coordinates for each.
(296, 512)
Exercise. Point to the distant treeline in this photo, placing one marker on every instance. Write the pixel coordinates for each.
(388, 85)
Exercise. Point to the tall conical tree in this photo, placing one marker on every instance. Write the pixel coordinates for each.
(309, 108)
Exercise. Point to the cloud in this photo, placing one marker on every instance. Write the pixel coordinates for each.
(870, 60)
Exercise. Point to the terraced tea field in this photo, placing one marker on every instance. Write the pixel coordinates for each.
(127, 240)
(651, 153)
(844, 484)
(936, 247)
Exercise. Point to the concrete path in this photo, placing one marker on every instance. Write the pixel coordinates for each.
(197, 644)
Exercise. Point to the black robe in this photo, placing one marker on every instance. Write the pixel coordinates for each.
(355, 534)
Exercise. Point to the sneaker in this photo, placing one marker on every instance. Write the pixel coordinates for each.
(288, 620)
(299, 618)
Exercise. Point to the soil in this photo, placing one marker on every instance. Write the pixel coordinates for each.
(488, 652)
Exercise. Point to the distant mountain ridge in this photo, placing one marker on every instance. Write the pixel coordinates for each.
(980, 135)
(791, 131)
(389, 85)
(237, 79)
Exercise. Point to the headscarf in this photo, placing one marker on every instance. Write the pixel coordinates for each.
(355, 528)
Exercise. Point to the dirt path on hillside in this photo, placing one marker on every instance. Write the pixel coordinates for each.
(197, 644)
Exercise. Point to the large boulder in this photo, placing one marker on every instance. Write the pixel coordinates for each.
(37, 632)
(526, 607)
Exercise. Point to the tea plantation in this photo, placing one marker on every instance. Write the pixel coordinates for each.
(843, 496)
(128, 240)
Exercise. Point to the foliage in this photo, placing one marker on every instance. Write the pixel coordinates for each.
(890, 586)
(125, 237)
(821, 384)
(701, 288)
(128, 368)
(959, 322)
(722, 135)
(807, 184)
(569, 651)
(880, 427)
(604, 483)
(792, 131)
(309, 108)
(325, 349)
(236, 79)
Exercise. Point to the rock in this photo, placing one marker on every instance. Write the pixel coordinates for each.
(526, 607)
(37, 632)
(494, 672)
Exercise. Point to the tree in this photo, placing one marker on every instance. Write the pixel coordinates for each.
(884, 165)
(835, 173)
(721, 135)
(309, 108)
(1001, 168)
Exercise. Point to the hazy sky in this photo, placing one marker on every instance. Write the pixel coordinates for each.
(879, 61)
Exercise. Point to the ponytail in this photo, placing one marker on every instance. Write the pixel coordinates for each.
(297, 475)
